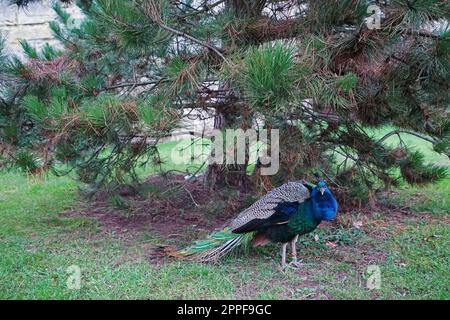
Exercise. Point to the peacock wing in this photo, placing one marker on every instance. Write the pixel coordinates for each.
(269, 206)
(282, 213)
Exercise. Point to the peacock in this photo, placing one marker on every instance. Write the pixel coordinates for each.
(281, 216)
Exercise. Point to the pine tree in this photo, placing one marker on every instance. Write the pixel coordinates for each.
(313, 69)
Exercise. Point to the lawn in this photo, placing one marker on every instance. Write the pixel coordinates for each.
(407, 243)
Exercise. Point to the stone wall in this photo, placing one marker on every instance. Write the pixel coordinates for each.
(30, 23)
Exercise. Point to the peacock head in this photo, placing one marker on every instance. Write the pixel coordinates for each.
(324, 203)
(321, 187)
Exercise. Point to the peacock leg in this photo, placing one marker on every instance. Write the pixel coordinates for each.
(283, 255)
(294, 263)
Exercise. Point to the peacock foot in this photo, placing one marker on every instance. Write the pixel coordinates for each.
(295, 264)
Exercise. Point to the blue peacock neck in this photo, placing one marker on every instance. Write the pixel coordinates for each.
(313, 211)
(323, 206)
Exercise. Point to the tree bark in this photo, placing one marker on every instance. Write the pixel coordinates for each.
(225, 174)
(220, 175)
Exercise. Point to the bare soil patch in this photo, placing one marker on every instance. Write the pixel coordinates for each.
(168, 207)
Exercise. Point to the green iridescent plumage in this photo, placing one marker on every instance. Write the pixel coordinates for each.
(302, 223)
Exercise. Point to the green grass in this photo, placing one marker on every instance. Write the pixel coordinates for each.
(413, 143)
(433, 199)
(419, 263)
(37, 245)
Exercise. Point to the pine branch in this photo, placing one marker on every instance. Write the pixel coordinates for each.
(267, 29)
(189, 37)
(153, 12)
(422, 33)
(397, 132)
(132, 84)
(207, 7)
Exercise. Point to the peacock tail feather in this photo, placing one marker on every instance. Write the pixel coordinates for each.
(214, 247)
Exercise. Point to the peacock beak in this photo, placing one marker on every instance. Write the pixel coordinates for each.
(321, 190)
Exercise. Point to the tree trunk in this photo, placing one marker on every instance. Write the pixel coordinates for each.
(220, 175)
